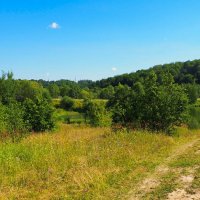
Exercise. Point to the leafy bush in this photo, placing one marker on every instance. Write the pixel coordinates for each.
(25, 105)
(78, 105)
(194, 117)
(7, 88)
(97, 113)
(16, 125)
(3, 120)
(12, 122)
(107, 93)
(30, 90)
(158, 107)
(192, 91)
(54, 90)
(39, 114)
(67, 103)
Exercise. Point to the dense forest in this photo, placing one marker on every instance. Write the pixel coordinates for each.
(185, 73)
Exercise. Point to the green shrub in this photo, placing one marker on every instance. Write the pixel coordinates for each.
(193, 123)
(97, 113)
(16, 126)
(39, 114)
(78, 105)
(67, 103)
(12, 122)
(194, 117)
(3, 119)
(192, 91)
(153, 106)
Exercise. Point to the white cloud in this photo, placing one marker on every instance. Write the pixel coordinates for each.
(54, 25)
(114, 69)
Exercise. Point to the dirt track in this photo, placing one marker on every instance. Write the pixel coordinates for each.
(153, 181)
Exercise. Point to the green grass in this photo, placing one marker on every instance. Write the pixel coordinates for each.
(81, 163)
(64, 116)
(188, 159)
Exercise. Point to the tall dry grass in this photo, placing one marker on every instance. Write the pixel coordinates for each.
(80, 163)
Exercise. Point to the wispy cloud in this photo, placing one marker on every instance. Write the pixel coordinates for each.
(54, 25)
(114, 69)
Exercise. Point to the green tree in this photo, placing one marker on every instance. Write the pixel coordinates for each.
(7, 88)
(64, 90)
(16, 125)
(54, 90)
(67, 103)
(164, 106)
(107, 93)
(151, 106)
(86, 94)
(120, 104)
(39, 114)
(192, 91)
(12, 124)
(97, 114)
(30, 90)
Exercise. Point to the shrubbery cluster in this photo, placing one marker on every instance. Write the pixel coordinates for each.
(24, 107)
(97, 113)
(158, 107)
(194, 117)
(12, 123)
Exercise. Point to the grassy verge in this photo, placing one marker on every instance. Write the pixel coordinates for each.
(81, 163)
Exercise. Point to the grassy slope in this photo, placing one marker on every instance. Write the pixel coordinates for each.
(81, 163)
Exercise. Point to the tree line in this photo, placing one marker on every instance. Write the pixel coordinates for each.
(157, 99)
(186, 74)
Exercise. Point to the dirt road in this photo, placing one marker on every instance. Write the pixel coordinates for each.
(177, 178)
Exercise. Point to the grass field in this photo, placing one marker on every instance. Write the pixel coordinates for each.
(64, 116)
(79, 162)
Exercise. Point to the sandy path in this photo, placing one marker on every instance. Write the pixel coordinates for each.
(153, 180)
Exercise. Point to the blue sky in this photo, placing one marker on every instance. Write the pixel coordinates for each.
(94, 39)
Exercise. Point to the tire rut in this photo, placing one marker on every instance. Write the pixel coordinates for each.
(152, 180)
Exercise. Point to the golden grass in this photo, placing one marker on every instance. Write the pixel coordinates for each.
(81, 163)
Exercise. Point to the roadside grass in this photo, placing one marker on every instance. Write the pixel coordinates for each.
(80, 162)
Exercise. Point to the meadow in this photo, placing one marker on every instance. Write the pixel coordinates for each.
(80, 162)
(96, 148)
